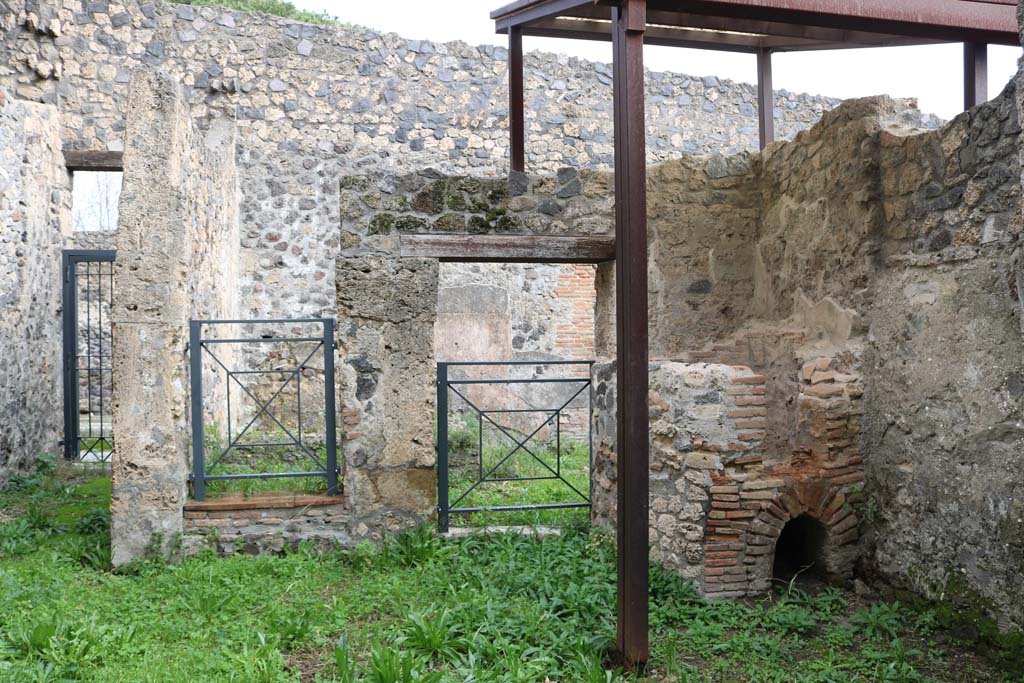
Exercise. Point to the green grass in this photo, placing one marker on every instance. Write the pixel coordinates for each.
(503, 608)
(279, 8)
(261, 460)
(96, 445)
(464, 471)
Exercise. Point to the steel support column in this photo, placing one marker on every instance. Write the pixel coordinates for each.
(975, 74)
(516, 104)
(765, 97)
(629, 24)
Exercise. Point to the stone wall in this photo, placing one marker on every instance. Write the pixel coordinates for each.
(34, 213)
(388, 308)
(314, 103)
(176, 253)
(867, 272)
(265, 524)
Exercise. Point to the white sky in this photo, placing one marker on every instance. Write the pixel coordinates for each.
(933, 74)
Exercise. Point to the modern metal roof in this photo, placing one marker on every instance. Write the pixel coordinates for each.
(776, 25)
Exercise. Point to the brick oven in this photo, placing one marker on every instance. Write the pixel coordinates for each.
(755, 469)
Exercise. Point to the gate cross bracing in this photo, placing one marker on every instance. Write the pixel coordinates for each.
(578, 387)
(202, 342)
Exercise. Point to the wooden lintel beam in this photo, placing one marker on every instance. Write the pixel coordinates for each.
(465, 248)
(91, 160)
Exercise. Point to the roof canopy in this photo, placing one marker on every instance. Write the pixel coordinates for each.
(776, 25)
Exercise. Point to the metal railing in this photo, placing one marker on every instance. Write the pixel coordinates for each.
(201, 346)
(521, 445)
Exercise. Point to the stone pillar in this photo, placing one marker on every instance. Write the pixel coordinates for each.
(387, 307)
(150, 316)
(176, 246)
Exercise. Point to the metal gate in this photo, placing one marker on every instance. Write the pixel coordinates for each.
(540, 445)
(88, 287)
(244, 436)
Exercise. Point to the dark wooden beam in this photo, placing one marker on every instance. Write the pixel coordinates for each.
(89, 160)
(765, 98)
(866, 21)
(632, 438)
(516, 101)
(949, 21)
(521, 13)
(465, 248)
(724, 39)
(780, 31)
(975, 74)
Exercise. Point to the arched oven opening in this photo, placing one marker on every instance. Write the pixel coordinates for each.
(800, 552)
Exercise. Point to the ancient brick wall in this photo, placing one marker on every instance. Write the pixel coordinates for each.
(34, 213)
(574, 333)
(266, 524)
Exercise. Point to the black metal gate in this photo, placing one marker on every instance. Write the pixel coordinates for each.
(542, 444)
(243, 435)
(88, 287)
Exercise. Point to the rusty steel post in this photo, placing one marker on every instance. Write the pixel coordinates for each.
(632, 441)
(516, 104)
(765, 97)
(975, 74)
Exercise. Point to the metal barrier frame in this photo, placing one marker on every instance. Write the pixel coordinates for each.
(445, 508)
(70, 258)
(197, 344)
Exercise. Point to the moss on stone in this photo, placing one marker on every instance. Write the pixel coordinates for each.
(396, 202)
(457, 201)
(381, 224)
(479, 204)
(965, 615)
(410, 223)
(496, 191)
(431, 199)
(506, 221)
(478, 224)
(354, 182)
(451, 222)
(493, 219)
(467, 184)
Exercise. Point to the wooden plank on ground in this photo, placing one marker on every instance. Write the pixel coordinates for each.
(465, 248)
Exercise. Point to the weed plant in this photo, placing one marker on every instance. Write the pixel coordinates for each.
(416, 609)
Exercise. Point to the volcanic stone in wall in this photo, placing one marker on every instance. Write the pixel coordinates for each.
(34, 207)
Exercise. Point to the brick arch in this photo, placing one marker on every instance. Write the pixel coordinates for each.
(740, 563)
(817, 500)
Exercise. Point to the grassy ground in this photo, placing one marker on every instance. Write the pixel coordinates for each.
(262, 460)
(575, 480)
(496, 609)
